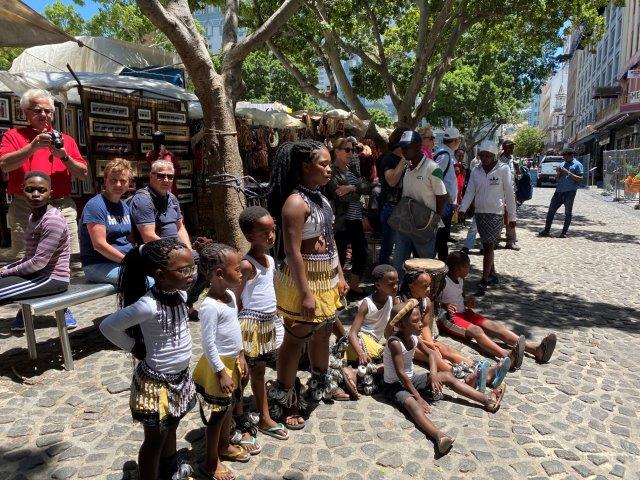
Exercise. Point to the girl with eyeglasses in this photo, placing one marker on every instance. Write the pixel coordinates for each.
(346, 189)
(153, 325)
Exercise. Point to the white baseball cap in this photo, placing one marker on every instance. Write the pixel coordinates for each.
(451, 133)
(488, 146)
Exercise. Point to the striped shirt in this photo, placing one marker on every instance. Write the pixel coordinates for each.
(47, 250)
(354, 210)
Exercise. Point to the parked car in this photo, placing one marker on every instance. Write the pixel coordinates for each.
(547, 169)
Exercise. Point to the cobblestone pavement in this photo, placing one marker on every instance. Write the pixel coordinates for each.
(576, 417)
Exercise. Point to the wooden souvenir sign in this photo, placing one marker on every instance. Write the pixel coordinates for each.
(82, 134)
(101, 127)
(5, 110)
(183, 183)
(108, 110)
(144, 114)
(178, 148)
(176, 133)
(70, 119)
(186, 167)
(185, 197)
(145, 130)
(146, 147)
(171, 117)
(113, 148)
(19, 117)
(144, 169)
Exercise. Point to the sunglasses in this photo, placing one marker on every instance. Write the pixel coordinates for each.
(188, 271)
(164, 176)
(39, 111)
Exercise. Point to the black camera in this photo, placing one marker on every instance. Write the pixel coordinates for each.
(56, 139)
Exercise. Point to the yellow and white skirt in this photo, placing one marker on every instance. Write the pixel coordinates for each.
(160, 399)
(212, 399)
(322, 275)
(369, 344)
(259, 335)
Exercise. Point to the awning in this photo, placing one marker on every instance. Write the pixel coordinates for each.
(20, 26)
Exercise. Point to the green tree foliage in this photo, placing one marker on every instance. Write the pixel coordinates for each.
(529, 141)
(65, 17)
(381, 117)
(266, 80)
(7, 55)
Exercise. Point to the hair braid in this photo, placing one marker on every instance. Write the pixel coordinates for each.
(213, 256)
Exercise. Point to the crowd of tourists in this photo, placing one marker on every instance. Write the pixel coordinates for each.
(261, 312)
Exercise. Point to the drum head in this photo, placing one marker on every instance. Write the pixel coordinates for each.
(424, 264)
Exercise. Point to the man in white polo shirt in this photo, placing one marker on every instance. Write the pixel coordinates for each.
(423, 182)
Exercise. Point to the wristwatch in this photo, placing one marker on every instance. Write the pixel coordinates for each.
(65, 159)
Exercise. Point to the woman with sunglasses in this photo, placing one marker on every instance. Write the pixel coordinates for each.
(105, 226)
(346, 189)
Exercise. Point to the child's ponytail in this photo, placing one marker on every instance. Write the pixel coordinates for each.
(132, 280)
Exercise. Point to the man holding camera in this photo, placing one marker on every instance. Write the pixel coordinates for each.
(39, 147)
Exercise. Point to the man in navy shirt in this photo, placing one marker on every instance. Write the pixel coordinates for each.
(568, 176)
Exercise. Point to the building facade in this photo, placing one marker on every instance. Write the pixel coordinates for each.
(212, 20)
(552, 109)
(534, 111)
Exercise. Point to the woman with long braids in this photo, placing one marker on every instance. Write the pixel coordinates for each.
(153, 325)
(310, 281)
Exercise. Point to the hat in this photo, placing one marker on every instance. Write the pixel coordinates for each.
(488, 146)
(451, 133)
(568, 151)
(410, 305)
(507, 143)
(410, 137)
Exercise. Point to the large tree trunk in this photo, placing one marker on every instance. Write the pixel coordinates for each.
(221, 144)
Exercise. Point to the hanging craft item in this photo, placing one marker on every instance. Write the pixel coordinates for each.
(274, 139)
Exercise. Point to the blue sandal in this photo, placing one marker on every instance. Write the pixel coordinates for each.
(482, 370)
(501, 372)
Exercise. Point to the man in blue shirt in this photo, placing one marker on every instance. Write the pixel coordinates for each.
(568, 176)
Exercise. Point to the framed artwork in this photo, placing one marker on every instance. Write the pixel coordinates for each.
(100, 164)
(185, 197)
(87, 186)
(171, 117)
(4, 128)
(113, 147)
(101, 127)
(56, 122)
(176, 133)
(183, 184)
(108, 110)
(82, 133)
(186, 167)
(5, 110)
(144, 169)
(19, 118)
(178, 148)
(8, 198)
(146, 147)
(75, 187)
(144, 130)
(144, 114)
(69, 125)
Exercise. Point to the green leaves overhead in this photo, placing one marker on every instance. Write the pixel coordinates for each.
(529, 141)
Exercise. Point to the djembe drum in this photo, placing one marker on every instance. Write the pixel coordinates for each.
(436, 269)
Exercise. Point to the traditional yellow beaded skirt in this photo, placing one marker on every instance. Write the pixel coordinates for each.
(212, 399)
(369, 344)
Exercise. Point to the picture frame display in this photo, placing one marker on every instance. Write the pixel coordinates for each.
(186, 167)
(146, 147)
(70, 122)
(185, 197)
(5, 109)
(171, 117)
(113, 147)
(178, 148)
(102, 127)
(145, 114)
(144, 169)
(19, 117)
(145, 130)
(176, 133)
(183, 184)
(101, 109)
(82, 133)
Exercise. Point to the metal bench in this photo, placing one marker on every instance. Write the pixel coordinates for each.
(75, 295)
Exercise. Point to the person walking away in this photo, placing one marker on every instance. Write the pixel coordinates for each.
(391, 168)
(490, 189)
(33, 147)
(508, 159)
(445, 158)
(568, 177)
(423, 183)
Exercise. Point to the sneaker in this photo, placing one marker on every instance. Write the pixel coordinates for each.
(18, 323)
(563, 235)
(69, 319)
(512, 246)
(544, 233)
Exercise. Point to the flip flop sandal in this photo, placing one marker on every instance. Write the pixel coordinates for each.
(482, 370)
(340, 396)
(548, 346)
(241, 456)
(494, 406)
(519, 347)
(272, 432)
(501, 372)
(299, 426)
(252, 441)
(349, 385)
(225, 471)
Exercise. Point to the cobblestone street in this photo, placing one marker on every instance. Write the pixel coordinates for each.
(576, 417)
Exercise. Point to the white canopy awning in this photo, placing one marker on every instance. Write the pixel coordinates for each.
(91, 54)
(64, 87)
(20, 26)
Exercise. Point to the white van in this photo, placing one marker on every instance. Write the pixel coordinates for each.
(547, 169)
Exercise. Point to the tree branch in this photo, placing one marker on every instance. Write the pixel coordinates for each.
(317, 48)
(263, 33)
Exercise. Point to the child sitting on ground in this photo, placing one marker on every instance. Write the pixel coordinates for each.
(153, 325)
(258, 316)
(417, 285)
(406, 388)
(469, 324)
(218, 373)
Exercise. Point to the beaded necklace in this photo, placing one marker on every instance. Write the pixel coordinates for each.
(321, 209)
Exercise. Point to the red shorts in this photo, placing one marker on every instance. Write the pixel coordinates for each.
(461, 321)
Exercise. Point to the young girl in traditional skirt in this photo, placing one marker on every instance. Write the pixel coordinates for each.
(478, 374)
(219, 371)
(310, 282)
(258, 316)
(409, 390)
(153, 325)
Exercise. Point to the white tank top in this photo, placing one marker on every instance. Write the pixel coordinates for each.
(376, 320)
(390, 375)
(258, 293)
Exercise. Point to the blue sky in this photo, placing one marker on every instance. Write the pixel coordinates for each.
(86, 12)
